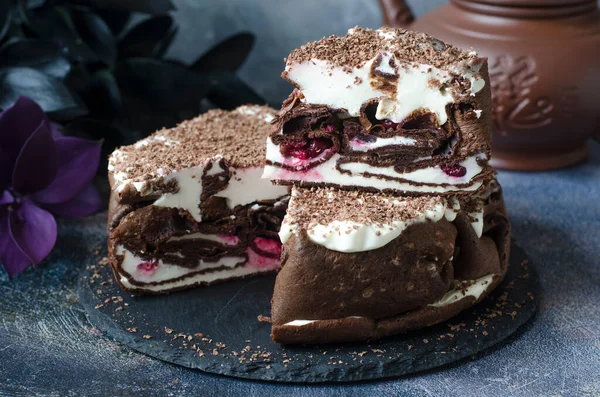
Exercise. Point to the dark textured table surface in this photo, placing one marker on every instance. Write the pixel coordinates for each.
(47, 346)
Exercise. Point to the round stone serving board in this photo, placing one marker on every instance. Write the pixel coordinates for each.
(216, 329)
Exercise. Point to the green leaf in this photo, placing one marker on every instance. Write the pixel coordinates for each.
(145, 38)
(96, 34)
(49, 22)
(5, 17)
(43, 55)
(103, 97)
(158, 94)
(34, 3)
(115, 19)
(229, 55)
(155, 7)
(228, 91)
(165, 43)
(50, 93)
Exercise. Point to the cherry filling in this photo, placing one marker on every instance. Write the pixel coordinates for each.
(267, 247)
(148, 267)
(309, 148)
(455, 170)
(389, 124)
(329, 127)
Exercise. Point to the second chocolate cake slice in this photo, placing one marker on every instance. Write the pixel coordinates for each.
(359, 265)
(384, 110)
(188, 205)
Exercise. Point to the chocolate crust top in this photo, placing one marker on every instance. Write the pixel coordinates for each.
(238, 136)
(361, 45)
(325, 205)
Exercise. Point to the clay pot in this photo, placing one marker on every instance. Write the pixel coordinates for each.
(544, 59)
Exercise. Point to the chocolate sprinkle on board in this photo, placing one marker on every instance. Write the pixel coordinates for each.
(215, 329)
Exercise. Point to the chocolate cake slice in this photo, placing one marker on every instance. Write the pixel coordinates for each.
(384, 110)
(359, 265)
(188, 205)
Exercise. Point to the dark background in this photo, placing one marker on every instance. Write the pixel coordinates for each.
(48, 348)
(279, 26)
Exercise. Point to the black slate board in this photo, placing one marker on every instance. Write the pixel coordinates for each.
(216, 330)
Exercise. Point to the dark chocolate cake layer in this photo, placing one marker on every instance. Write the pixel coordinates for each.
(156, 250)
(384, 110)
(189, 207)
(360, 266)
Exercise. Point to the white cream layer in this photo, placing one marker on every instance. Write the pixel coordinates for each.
(246, 186)
(437, 180)
(361, 146)
(300, 323)
(350, 236)
(165, 271)
(475, 290)
(196, 279)
(189, 181)
(323, 83)
(223, 239)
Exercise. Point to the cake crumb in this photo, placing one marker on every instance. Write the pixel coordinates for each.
(264, 319)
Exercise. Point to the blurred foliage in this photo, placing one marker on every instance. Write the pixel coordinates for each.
(103, 77)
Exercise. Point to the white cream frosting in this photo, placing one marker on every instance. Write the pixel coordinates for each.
(225, 240)
(478, 222)
(300, 323)
(361, 146)
(429, 175)
(475, 289)
(349, 236)
(253, 110)
(165, 271)
(189, 181)
(327, 172)
(196, 279)
(246, 186)
(323, 83)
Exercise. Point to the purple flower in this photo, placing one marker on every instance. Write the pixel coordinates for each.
(41, 173)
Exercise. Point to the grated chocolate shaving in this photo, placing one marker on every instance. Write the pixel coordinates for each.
(361, 45)
(239, 136)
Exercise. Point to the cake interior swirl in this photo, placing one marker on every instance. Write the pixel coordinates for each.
(189, 207)
(383, 110)
(373, 197)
